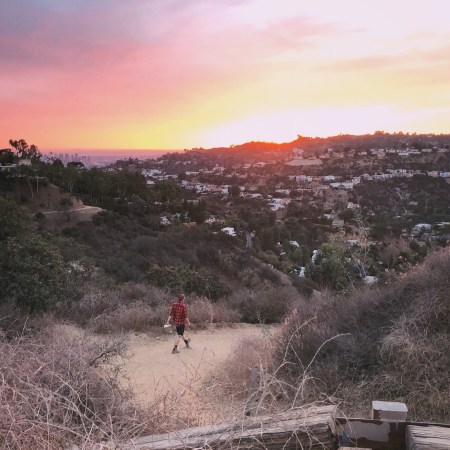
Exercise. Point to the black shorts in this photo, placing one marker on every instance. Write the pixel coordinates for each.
(180, 330)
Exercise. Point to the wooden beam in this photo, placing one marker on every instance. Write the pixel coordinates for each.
(300, 428)
(370, 433)
(380, 434)
(424, 438)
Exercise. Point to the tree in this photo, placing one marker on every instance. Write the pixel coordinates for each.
(331, 267)
(234, 190)
(379, 229)
(347, 214)
(6, 157)
(198, 212)
(76, 164)
(297, 255)
(25, 151)
(167, 191)
(189, 280)
(65, 204)
(12, 219)
(32, 273)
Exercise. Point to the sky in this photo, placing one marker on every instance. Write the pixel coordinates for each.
(175, 74)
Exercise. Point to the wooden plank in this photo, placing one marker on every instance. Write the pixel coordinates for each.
(308, 428)
(378, 434)
(432, 437)
(370, 433)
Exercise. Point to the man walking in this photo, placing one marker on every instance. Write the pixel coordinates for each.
(179, 317)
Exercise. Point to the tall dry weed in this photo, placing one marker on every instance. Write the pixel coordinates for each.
(62, 388)
(387, 343)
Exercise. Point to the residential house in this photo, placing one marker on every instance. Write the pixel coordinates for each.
(229, 230)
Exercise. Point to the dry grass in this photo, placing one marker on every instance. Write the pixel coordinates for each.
(389, 343)
(62, 388)
(140, 307)
(203, 312)
(249, 383)
(269, 305)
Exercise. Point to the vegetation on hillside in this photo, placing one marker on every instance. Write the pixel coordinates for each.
(390, 343)
(119, 272)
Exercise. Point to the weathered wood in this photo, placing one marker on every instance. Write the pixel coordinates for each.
(381, 434)
(308, 428)
(432, 437)
(370, 433)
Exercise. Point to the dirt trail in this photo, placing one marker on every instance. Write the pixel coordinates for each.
(155, 371)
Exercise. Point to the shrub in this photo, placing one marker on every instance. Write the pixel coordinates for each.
(203, 312)
(134, 317)
(189, 280)
(267, 306)
(94, 303)
(59, 390)
(32, 273)
(121, 270)
(391, 342)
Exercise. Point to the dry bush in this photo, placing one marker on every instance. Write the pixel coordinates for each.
(387, 343)
(141, 315)
(134, 317)
(246, 382)
(60, 389)
(249, 354)
(94, 303)
(146, 293)
(131, 307)
(270, 305)
(131, 291)
(203, 312)
(12, 321)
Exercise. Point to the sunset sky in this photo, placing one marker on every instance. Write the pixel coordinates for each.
(173, 74)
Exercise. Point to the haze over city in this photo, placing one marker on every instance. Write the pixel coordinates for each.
(173, 74)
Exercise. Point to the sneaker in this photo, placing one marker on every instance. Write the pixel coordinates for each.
(187, 343)
(175, 350)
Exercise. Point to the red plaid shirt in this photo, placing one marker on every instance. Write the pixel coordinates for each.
(178, 313)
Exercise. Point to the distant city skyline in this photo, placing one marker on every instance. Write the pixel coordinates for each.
(96, 157)
(174, 74)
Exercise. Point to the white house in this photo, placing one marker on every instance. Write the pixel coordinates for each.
(165, 221)
(416, 229)
(229, 230)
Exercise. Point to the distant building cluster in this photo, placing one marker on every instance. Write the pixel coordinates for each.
(74, 157)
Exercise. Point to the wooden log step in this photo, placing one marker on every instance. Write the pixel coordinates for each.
(430, 438)
(300, 428)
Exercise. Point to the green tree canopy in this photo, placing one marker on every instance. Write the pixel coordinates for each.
(32, 273)
(13, 220)
(25, 151)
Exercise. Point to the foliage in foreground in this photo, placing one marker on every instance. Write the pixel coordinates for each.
(388, 343)
(58, 388)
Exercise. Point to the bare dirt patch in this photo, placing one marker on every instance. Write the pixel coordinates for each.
(178, 379)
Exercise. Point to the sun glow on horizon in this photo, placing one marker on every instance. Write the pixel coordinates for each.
(284, 126)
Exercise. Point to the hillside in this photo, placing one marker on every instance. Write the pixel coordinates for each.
(358, 288)
(391, 342)
(41, 198)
